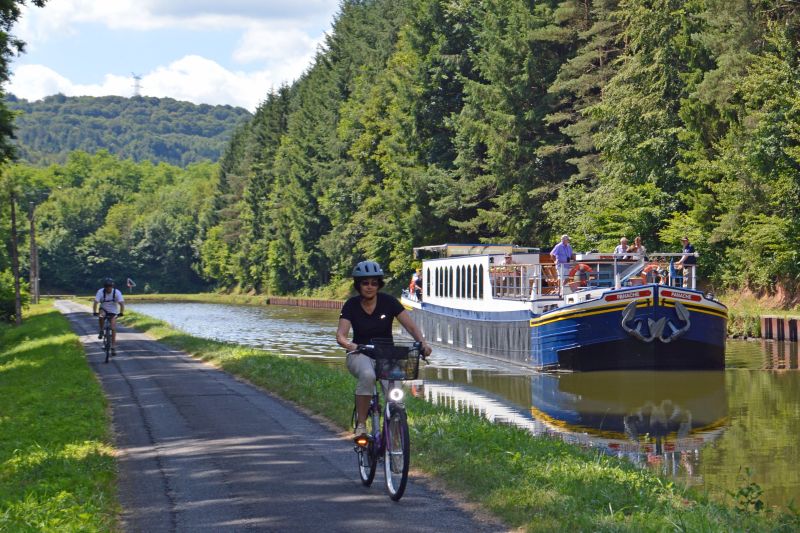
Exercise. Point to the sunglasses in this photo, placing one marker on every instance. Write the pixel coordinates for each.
(370, 282)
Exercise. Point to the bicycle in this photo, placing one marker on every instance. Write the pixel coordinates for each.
(387, 436)
(108, 333)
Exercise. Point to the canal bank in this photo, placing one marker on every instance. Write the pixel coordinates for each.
(504, 468)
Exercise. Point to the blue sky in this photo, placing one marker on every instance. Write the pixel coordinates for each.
(204, 51)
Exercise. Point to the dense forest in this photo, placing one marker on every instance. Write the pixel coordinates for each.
(141, 128)
(429, 121)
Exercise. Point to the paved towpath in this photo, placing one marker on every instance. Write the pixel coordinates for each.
(202, 451)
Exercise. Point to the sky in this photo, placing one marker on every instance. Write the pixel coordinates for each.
(203, 51)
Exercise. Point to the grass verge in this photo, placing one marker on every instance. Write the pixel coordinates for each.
(57, 470)
(536, 484)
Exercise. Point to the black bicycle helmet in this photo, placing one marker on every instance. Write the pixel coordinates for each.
(108, 282)
(367, 269)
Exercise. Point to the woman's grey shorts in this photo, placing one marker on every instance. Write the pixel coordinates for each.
(363, 368)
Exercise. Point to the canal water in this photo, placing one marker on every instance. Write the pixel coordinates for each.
(719, 431)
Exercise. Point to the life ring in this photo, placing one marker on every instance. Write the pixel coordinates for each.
(646, 270)
(580, 267)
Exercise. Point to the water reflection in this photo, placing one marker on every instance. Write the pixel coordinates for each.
(660, 420)
(774, 355)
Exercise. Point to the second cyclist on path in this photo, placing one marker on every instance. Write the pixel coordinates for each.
(111, 302)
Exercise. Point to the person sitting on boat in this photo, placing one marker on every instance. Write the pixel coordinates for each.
(687, 262)
(370, 314)
(622, 247)
(562, 255)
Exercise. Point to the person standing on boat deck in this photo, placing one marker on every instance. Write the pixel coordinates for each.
(638, 247)
(508, 284)
(687, 262)
(418, 284)
(370, 315)
(562, 255)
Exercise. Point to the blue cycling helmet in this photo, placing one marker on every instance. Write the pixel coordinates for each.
(367, 269)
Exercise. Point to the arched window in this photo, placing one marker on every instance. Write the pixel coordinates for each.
(480, 283)
(450, 282)
(458, 282)
(428, 281)
(469, 281)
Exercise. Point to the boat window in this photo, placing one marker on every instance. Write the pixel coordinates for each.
(449, 334)
(469, 281)
(474, 281)
(436, 287)
(428, 281)
(450, 282)
(480, 283)
(468, 332)
(438, 332)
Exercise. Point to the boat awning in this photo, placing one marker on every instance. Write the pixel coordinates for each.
(454, 250)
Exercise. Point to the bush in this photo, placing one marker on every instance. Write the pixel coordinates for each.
(7, 296)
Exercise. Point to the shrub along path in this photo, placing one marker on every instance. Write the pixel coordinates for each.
(201, 451)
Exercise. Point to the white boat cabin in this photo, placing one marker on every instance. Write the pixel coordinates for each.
(478, 276)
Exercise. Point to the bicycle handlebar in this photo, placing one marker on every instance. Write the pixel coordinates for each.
(369, 350)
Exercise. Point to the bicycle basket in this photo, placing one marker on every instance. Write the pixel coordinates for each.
(397, 361)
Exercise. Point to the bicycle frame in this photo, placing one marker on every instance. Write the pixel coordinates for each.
(108, 333)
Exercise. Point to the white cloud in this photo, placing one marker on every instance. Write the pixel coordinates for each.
(63, 17)
(192, 78)
(278, 42)
(275, 44)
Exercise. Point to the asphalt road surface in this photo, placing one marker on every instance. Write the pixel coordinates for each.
(199, 450)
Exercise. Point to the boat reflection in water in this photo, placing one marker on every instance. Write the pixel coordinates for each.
(657, 419)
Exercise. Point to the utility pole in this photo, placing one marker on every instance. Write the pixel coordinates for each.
(34, 256)
(15, 261)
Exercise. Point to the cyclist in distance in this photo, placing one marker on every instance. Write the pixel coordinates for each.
(370, 315)
(110, 300)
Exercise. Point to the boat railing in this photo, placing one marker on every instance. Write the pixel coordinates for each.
(534, 281)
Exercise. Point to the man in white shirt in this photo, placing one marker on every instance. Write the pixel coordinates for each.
(111, 302)
(622, 247)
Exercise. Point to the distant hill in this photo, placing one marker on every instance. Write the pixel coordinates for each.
(142, 128)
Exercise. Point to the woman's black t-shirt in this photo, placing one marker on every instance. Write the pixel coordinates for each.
(378, 325)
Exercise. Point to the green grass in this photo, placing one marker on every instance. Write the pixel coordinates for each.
(57, 469)
(537, 484)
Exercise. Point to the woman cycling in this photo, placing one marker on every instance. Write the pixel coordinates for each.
(370, 314)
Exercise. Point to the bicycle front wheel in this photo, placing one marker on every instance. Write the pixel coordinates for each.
(398, 451)
(367, 455)
(107, 343)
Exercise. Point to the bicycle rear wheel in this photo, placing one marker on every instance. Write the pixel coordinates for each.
(398, 451)
(367, 455)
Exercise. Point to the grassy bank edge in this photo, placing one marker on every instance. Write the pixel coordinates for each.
(57, 466)
(538, 484)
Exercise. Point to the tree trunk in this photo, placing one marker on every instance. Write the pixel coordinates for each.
(34, 288)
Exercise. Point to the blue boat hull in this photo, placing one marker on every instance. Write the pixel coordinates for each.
(650, 332)
(626, 329)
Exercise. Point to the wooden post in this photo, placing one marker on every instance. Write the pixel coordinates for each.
(34, 257)
(15, 261)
